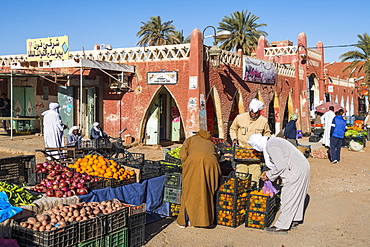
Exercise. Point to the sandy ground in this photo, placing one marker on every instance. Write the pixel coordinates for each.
(337, 213)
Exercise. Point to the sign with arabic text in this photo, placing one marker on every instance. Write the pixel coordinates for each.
(52, 48)
(162, 77)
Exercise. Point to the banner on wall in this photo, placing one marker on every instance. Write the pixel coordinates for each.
(259, 71)
(52, 48)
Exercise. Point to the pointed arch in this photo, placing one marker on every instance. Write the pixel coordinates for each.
(347, 107)
(214, 109)
(166, 113)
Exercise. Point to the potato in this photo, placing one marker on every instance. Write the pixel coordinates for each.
(31, 220)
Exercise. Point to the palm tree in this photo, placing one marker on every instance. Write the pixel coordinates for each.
(245, 30)
(154, 32)
(179, 37)
(361, 58)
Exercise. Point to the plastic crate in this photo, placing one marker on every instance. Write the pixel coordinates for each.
(172, 195)
(174, 209)
(230, 218)
(220, 143)
(136, 236)
(171, 159)
(232, 201)
(131, 158)
(63, 237)
(18, 170)
(247, 155)
(40, 176)
(170, 167)
(96, 242)
(113, 183)
(136, 220)
(94, 144)
(235, 182)
(117, 239)
(173, 180)
(151, 169)
(117, 220)
(135, 209)
(102, 183)
(259, 220)
(261, 203)
(92, 228)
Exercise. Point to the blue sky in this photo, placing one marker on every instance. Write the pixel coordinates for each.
(89, 22)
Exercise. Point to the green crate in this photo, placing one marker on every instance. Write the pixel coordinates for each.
(117, 239)
(96, 242)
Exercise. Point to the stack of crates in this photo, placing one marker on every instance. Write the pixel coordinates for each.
(136, 225)
(232, 199)
(261, 209)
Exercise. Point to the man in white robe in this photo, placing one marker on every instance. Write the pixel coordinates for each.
(294, 170)
(326, 120)
(53, 128)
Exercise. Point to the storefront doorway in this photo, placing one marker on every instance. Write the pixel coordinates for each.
(163, 120)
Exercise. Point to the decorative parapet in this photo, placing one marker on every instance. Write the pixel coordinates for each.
(286, 50)
(341, 82)
(137, 54)
(121, 55)
(311, 53)
(291, 50)
(228, 57)
(285, 70)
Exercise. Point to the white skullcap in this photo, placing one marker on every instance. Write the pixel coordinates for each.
(255, 105)
(72, 129)
(96, 124)
(53, 106)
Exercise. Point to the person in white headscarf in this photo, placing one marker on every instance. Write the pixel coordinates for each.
(97, 132)
(294, 170)
(73, 136)
(243, 126)
(53, 127)
(327, 120)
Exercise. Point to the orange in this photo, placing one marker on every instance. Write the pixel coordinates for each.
(132, 173)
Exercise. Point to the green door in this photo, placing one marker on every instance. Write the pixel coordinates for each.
(67, 109)
(23, 101)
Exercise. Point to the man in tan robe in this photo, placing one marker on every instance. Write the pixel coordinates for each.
(294, 170)
(243, 126)
(200, 177)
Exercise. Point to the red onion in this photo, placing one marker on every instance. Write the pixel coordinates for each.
(50, 177)
(80, 185)
(63, 184)
(48, 184)
(45, 164)
(69, 174)
(56, 182)
(82, 191)
(82, 181)
(59, 177)
(65, 189)
(49, 167)
(88, 177)
(70, 193)
(39, 166)
(55, 187)
(77, 175)
(63, 175)
(43, 170)
(59, 193)
(50, 192)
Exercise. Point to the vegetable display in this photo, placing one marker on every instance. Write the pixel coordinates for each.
(175, 152)
(355, 133)
(18, 196)
(61, 215)
(61, 182)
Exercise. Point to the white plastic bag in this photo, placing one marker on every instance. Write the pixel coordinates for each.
(355, 146)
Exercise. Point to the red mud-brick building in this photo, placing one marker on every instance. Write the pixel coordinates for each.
(168, 92)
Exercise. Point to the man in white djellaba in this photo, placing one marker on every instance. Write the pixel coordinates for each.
(53, 128)
(327, 120)
(294, 170)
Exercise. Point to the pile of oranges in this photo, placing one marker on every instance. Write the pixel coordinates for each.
(259, 201)
(232, 201)
(235, 185)
(256, 220)
(100, 166)
(229, 218)
(247, 153)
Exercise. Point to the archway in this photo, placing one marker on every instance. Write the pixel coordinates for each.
(162, 122)
(214, 114)
(313, 93)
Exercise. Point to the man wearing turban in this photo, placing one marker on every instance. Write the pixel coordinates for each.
(243, 126)
(53, 128)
